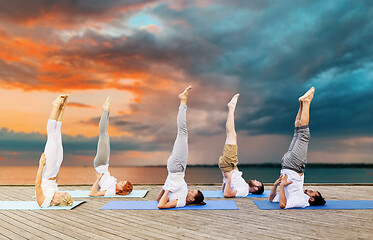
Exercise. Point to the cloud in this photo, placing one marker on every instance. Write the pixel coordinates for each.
(19, 143)
(219, 47)
(53, 13)
(79, 105)
(11, 72)
(338, 109)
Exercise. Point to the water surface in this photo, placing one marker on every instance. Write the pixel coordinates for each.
(202, 175)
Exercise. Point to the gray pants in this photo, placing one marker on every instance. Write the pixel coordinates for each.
(296, 158)
(179, 157)
(103, 146)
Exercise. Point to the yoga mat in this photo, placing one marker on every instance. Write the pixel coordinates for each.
(152, 205)
(330, 204)
(85, 194)
(220, 194)
(33, 205)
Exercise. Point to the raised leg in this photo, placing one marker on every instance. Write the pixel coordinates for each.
(59, 145)
(296, 157)
(179, 157)
(305, 116)
(58, 132)
(103, 146)
(297, 118)
(228, 160)
(51, 147)
(62, 107)
(57, 103)
(306, 102)
(229, 126)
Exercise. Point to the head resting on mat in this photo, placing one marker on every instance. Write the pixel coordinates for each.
(255, 187)
(62, 199)
(315, 197)
(195, 197)
(124, 188)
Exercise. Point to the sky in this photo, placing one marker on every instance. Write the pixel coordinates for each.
(144, 53)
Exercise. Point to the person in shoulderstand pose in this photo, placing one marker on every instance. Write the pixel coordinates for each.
(47, 193)
(293, 164)
(105, 184)
(233, 183)
(175, 191)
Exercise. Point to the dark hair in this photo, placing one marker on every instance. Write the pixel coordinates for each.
(127, 189)
(198, 198)
(260, 190)
(317, 200)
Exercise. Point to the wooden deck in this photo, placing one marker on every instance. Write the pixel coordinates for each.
(88, 222)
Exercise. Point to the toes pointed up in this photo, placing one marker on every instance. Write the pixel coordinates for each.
(184, 95)
(308, 96)
(233, 102)
(58, 101)
(107, 104)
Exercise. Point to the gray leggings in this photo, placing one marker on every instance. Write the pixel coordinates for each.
(103, 146)
(296, 158)
(179, 157)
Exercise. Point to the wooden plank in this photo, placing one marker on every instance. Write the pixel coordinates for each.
(87, 221)
(47, 225)
(21, 228)
(75, 225)
(127, 224)
(6, 232)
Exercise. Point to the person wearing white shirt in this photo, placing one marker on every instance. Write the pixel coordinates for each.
(293, 164)
(105, 184)
(175, 191)
(46, 189)
(233, 183)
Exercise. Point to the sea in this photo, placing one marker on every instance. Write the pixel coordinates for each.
(317, 173)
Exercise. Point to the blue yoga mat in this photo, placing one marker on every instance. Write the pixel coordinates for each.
(85, 194)
(330, 204)
(220, 194)
(152, 205)
(32, 205)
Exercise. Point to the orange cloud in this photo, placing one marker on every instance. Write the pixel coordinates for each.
(57, 73)
(18, 49)
(79, 105)
(91, 61)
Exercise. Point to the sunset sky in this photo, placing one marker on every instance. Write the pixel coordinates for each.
(144, 53)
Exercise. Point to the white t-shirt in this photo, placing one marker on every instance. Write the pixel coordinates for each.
(49, 188)
(107, 183)
(178, 188)
(238, 183)
(295, 196)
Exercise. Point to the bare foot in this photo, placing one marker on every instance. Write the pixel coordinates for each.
(184, 95)
(106, 106)
(58, 101)
(233, 102)
(307, 97)
(65, 97)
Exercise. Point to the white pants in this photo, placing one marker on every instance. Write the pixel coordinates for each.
(53, 150)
